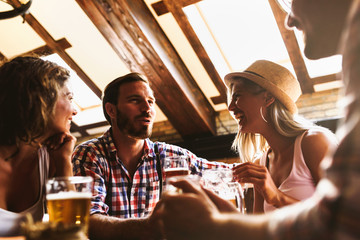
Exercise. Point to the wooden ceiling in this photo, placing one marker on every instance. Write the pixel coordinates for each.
(137, 38)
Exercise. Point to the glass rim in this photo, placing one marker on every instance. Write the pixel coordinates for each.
(72, 179)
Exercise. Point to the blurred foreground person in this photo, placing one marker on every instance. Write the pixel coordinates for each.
(330, 27)
(35, 142)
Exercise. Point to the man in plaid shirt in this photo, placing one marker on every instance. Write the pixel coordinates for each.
(126, 165)
(330, 27)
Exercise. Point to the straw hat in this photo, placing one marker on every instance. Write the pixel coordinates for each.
(274, 78)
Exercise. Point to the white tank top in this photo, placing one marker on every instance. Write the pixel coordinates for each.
(10, 221)
(299, 184)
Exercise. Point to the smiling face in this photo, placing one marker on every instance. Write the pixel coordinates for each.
(135, 110)
(245, 102)
(64, 110)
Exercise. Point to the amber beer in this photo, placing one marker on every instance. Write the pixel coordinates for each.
(69, 208)
(233, 202)
(172, 172)
(68, 200)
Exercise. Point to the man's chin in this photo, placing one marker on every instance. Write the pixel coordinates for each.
(143, 134)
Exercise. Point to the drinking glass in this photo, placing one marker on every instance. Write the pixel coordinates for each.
(220, 181)
(68, 200)
(176, 166)
(168, 187)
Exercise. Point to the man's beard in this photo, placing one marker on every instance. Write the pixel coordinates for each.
(127, 126)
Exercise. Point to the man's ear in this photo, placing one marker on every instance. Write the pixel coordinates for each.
(269, 99)
(110, 109)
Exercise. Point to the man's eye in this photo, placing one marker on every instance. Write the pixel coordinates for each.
(134, 100)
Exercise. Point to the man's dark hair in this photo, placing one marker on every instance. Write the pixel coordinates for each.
(111, 92)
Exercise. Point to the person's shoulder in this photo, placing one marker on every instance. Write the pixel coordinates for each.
(320, 132)
(170, 147)
(317, 135)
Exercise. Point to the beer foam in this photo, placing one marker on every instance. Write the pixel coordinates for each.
(68, 195)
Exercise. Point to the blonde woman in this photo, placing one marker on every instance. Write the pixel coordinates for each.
(262, 101)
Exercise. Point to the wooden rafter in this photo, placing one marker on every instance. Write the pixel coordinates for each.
(293, 49)
(56, 48)
(176, 9)
(46, 50)
(136, 37)
(161, 8)
(326, 78)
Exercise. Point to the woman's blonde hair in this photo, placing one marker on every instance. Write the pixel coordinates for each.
(250, 146)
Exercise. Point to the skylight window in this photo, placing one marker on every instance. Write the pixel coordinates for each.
(86, 102)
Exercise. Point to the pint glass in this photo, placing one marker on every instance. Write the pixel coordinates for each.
(176, 166)
(68, 200)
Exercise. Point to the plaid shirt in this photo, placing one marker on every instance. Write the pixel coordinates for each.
(130, 198)
(334, 210)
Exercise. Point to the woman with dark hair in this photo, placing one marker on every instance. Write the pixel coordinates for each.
(35, 141)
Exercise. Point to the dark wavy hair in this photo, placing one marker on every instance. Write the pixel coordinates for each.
(28, 92)
(111, 92)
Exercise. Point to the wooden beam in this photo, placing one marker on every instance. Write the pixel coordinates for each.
(176, 9)
(160, 7)
(326, 78)
(76, 128)
(46, 50)
(56, 48)
(136, 37)
(293, 49)
(83, 129)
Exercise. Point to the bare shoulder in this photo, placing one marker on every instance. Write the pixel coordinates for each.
(318, 140)
(319, 135)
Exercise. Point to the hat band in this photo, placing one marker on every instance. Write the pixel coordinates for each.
(254, 73)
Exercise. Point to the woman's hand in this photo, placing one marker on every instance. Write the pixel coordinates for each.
(60, 147)
(259, 176)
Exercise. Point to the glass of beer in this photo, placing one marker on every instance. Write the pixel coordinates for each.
(176, 166)
(68, 200)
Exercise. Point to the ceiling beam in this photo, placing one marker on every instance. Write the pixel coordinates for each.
(136, 37)
(56, 48)
(176, 9)
(83, 129)
(46, 50)
(326, 78)
(293, 49)
(161, 8)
